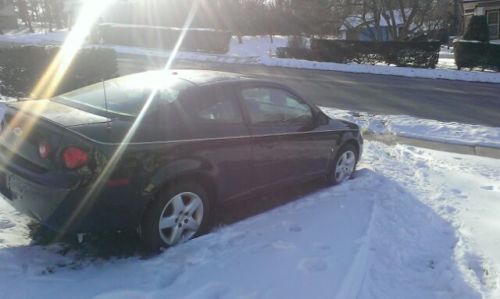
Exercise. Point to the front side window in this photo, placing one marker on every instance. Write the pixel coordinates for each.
(213, 112)
(223, 110)
(275, 106)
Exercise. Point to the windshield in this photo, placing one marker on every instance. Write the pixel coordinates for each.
(126, 95)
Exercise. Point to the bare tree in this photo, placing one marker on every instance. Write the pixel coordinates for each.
(403, 18)
(24, 15)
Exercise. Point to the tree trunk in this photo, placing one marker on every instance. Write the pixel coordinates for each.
(24, 15)
(48, 14)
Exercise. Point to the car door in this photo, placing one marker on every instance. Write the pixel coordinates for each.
(213, 117)
(288, 140)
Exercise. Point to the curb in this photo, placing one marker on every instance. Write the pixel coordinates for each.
(476, 150)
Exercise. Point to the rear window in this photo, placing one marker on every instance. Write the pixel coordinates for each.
(126, 95)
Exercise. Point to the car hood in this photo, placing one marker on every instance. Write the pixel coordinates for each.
(350, 125)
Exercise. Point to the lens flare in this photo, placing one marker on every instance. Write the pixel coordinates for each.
(103, 177)
(90, 12)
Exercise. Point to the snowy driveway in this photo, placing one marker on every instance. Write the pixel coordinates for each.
(413, 224)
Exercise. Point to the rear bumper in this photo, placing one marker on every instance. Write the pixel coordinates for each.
(55, 202)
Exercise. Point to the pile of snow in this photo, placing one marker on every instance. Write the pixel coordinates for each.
(260, 50)
(39, 38)
(413, 224)
(446, 59)
(425, 129)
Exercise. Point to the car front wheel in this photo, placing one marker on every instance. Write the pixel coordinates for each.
(177, 215)
(344, 165)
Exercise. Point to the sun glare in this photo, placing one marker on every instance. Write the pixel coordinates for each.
(91, 195)
(90, 13)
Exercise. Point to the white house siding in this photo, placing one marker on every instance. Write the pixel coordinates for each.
(488, 8)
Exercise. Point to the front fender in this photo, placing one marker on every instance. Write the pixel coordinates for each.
(346, 137)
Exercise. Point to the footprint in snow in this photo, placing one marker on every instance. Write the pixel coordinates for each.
(313, 264)
(124, 294)
(459, 193)
(211, 290)
(449, 209)
(295, 229)
(322, 246)
(487, 188)
(4, 224)
(283, 246)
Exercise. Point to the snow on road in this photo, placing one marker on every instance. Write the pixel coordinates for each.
(413, 224)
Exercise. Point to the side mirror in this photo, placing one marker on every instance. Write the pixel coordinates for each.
(319, 118)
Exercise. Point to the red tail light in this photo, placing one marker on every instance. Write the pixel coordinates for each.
(74, 157)
(44, 149)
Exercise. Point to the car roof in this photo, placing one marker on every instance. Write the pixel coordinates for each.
(201, 78)
(206, 77)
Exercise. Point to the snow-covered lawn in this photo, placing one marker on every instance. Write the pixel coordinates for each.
(424, 129)
(413, 224)
(446, 59)
(260, 50)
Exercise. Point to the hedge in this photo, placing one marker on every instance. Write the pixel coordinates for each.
(296, 53)
(196, 39)
(21, 67)
(477, 29)
(415, 54)
(475, 54)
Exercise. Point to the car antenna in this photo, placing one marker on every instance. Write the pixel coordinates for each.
(105, 101)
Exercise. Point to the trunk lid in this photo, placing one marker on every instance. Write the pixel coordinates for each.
(25, 125)
(61, 114)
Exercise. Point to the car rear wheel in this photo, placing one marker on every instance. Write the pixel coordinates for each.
(344, 165)
(177, 215)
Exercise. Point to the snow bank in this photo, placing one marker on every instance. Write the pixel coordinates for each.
(472, 76)
(406, 227)
(425, 129)
(260, 50)
(44, 38)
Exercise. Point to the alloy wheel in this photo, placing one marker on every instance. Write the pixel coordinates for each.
(345, 166)
(181, 218)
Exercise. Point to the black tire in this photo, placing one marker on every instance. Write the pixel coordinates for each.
(333, 179)
(153, 238)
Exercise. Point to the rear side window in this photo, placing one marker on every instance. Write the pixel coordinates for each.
(275, 106)
(126, 95)
(214, 112)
